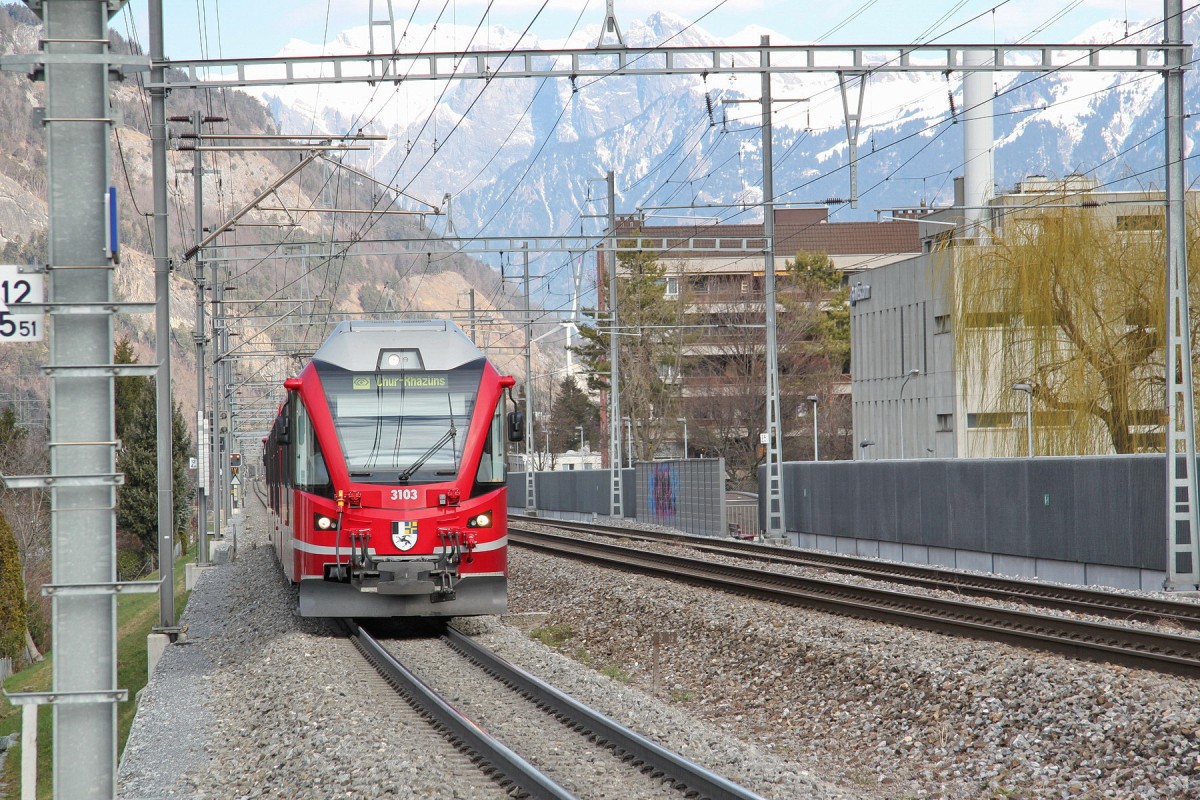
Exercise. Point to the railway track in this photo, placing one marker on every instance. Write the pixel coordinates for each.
(1079, 600)
(590, 756)
(1098, 641)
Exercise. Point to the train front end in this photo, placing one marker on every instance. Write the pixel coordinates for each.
(395, 435)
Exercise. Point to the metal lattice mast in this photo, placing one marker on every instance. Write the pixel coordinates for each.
(774, 443)
(388, 24)
(199, 337)
(530, 484)
(214, 452)
(614, 382)
(1183, 564)
(83, 478)
(162, 346)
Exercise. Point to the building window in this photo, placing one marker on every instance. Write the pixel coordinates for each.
(698, 285)
(1054, 418)
(672, 289)
(993, 419)
(990, 319)
(945, 423)
(1140, 222)
(941, 323)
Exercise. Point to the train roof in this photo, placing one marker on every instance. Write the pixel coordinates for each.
(356, 345)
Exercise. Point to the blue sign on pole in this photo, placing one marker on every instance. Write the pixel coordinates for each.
(113, 241)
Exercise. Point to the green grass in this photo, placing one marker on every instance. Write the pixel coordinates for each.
(137, 615)
(616, 673)
(553, 635)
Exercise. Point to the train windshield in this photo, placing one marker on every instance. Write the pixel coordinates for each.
(402, 427)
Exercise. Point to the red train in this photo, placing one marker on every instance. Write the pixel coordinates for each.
(385, 472)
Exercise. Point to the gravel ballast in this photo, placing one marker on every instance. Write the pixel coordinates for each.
(888, 711)
(787, 702)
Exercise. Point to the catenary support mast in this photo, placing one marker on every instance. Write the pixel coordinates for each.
(616, 491)
(1183, 563)
(162, 333)
(774, 433)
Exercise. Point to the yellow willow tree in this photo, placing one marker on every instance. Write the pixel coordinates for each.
(1071, 301)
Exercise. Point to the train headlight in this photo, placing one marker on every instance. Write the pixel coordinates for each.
(324, 523)
(483, 520)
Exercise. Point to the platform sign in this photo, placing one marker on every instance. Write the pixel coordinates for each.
(19, 289)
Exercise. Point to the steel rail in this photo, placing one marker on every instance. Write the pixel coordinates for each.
(693, 779)
(1076, 599)
(1164, 652)
(513, 770)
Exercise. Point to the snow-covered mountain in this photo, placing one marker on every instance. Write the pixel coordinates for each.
(521, 157)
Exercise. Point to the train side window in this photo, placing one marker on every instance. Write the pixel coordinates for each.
(310, 474)
(491, 463)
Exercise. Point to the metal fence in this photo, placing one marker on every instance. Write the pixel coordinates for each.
(741, 514)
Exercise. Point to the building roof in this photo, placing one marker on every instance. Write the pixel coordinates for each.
(796, 229)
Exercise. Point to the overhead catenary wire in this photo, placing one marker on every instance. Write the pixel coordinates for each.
(939, 134)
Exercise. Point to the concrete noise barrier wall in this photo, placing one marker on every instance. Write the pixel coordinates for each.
(573, 491)
(1092, 509)
(687, 495)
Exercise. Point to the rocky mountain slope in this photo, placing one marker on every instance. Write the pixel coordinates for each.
(334, 279)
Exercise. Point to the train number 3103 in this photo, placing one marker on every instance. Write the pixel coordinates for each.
(404, 494)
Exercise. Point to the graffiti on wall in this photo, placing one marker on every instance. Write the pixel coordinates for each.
(664, 492)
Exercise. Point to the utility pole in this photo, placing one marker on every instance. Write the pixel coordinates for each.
(614, 383)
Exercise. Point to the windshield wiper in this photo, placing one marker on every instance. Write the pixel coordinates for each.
(448, 436)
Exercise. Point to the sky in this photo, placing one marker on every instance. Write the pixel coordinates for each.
(231, 29)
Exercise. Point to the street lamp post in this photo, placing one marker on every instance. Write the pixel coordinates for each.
(685, 441)
(912, 373)
(1027, 388)
(580, 429)
(864, 444)
(812, 398)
